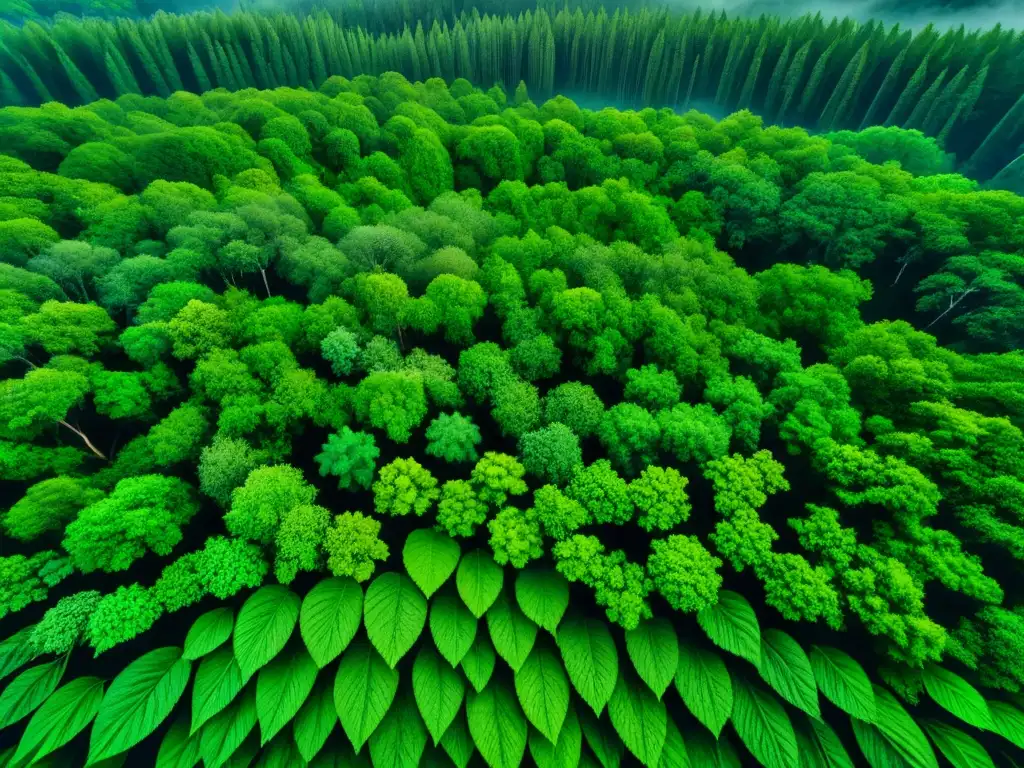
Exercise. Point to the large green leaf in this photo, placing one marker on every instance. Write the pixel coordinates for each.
(453, 628)
(497, 726)
(512, 634)
(138, 700)
(819, 746)
(329, 618)
(241, 755)
(703, 683)
(30, 689)
(280, 753)
(281, 689)
(457, 743)
(786, 668)
(180, 747)
(364, 689)
(654, 650)
(438, 690)
(674, 754)
(873, 745)
(65, 714)
(957, 696)
(956, 746)
(316, 719)
(400, 739)
(639, 719)
(1008, 722)
(732, 625)
(16, 651)
(218, 681)
(763, 726)
(478, 663)
(564, 753)
(602, 739)
(430, 558)
(843, 682)
(543, 691)
(901, 732)
(590, 658)
(543, 595)
(209, 632)
(264, 625)
(479, 581)
(395, 613)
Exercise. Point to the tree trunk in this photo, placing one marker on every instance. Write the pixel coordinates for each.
(84, 437)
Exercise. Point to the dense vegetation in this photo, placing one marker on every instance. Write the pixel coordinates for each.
(615, 402)
(964, 88)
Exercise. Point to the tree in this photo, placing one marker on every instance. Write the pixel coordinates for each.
(516, 407)
(552, 453)
(224, 465)
(482, 368)
(576, 405)
(496, 477)
(460, 303)
(558, 514)
(453, 438)
(26, 580)
(536, 358)
(693, 433)
(630, 434)
(352, 546)
(222, 568)
(404, 486)
(652, 388)
(122, 615)
(684, 572)
(48, 506)
(63, 328)
(459, 511)
(62, 627)
(350, 456)
(516, 537)
(266, 496)
(341, 349)
(299, 540)
(660, 497)
(620, 586)
(197, 329)
(393, 401)
(74, 265)
(44, 396)
(603, 494)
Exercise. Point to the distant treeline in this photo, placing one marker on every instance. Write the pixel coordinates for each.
(965, 89)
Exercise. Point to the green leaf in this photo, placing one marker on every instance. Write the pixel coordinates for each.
(957, 747)
(703, 683)
(786, 668)
(339, 758)
(401, 738)
(702, 749)
(453, 628)
(564, 753)
(957, 696)
(639, 719)
(543, 596)
(209, 632)
(512, 633)
(457, 743)
(1008, 722)
(876, 749)
(281, 689)
(674, 755)
(225, 733)
(819, 746)
(139, 699)
(654, 650)
(246, 752)
(763, 726)
(264, 625)
(16, 651)
(590, 658)
(543, 691)
(497, 726)
(364, 689)
(315, 720)
(330, 617)
(280, 753)
(479, 581)
(478, 663)
(395, 613)
(602, 739)
(179, 749)
(732, 625)
(843, 682)
(430, 558)
(438, 690)
(218, 681)
(30, 689)
(901, 732)
(65, 714)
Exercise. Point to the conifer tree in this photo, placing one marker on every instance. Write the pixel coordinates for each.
(924, 104)
(904, 103)
(778, 74)
(886, 88)
(793, 78)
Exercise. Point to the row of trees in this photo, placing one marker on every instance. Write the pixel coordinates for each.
(962, 88)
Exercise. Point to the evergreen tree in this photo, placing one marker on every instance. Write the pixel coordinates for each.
(886, 88)
(907, 98)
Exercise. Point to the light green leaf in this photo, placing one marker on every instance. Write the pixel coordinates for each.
(703, 683)
(639, 719)
(65, 714)
(210, 631)
(819, 745)
(457, 743)
(512, 633)
(364, 689)
(479, 581)
(453, 628)
(654, 650)
(497, 726)
(16, 651)
(430, 558)
(264, 625)
(543, 596)
(281, 689)
(564, 753)
(876, 749)
(478, 663)
(245, 752)
(601, 738)
(218, 681)
(957, 747)
(401, 738)
(674, 755)
(957, 696)
(179, 749)
(394, 613)
(30, 689)
(843, 682)
(732, 625)
(763, 726)
(543, 691)
(786, 668)
(223, 735)
(438, 690)
(1008, 722)
(138, 700)
(315, 720)
(330, 616)
(590, 658)
(903, 734)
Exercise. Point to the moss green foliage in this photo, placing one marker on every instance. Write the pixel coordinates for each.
(351, 456)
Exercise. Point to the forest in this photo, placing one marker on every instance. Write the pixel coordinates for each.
(366, 401)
